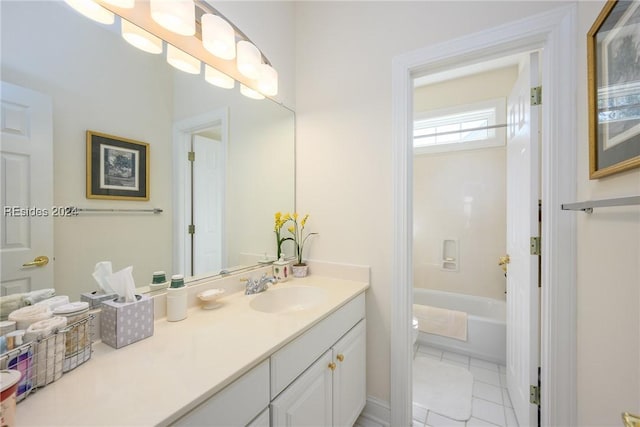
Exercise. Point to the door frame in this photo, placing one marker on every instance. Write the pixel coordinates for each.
(555, 32)
(182, 131)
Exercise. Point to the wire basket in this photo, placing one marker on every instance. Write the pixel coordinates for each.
(44, 360)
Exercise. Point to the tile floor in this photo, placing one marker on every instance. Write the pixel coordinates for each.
(490, 404)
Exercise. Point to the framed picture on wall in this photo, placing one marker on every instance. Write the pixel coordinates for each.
(613, 56)
(117, 168)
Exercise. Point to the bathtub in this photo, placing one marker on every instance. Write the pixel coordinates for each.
(486, 328)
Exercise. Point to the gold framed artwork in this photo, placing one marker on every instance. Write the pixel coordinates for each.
(613, 57)
(117, 168)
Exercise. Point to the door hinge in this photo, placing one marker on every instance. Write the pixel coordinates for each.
(535, 245)
(536, 95)
(192, 229)
(534, 395)
(191, 156)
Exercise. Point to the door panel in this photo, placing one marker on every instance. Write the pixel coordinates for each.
(349, 377)
(522, 224)
(26, 172)
(308, 400)
(208, 192)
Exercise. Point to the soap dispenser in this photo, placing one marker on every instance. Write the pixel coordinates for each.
(281, 269)
(176, 299)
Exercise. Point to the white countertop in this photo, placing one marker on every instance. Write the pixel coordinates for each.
(157, 380)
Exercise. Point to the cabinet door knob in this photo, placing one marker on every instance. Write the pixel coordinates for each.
(340, 357)
(332, 366)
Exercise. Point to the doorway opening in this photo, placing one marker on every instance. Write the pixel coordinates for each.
(475, 202)
(200, 147)
(554, 33)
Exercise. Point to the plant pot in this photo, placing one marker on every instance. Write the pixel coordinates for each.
(300, 270)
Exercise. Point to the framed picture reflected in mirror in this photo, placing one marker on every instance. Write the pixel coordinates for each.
(117, 168)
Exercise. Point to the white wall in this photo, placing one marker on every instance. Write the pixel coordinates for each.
(461, 195)
(343, 99)
(608, 277)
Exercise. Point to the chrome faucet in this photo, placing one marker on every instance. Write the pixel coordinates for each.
(255, 286)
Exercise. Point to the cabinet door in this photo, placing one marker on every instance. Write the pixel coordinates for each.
(349, 377)
(307, 401)
(261, 420)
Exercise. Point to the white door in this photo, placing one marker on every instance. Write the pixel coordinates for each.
(307, 401)
(350, 376)
(522, 224)
(26, 175)
(208, 193)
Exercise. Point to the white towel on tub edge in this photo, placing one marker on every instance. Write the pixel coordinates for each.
(441, 321)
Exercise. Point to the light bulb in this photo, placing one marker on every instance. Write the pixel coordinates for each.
(218, 36)
(178, 16)
(250, 93)
(140, 38)
(124, 4)
(182, 60)
(217, 78)
(249, 59)
(268, 80)
(92, 10)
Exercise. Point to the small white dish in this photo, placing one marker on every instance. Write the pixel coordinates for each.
(210, 297)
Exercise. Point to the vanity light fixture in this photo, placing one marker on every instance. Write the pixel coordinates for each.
(218, 36)
(250, 93)
(140, 38)
(182, 60)
(217, 78)
(249, 59)
(201, 34)
(178, 16)
(92, 10)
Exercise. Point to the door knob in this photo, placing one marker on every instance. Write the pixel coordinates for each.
(503, 261)
(39, 261)
(630, 420)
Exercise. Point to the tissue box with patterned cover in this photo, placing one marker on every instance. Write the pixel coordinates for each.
(95, 298)
(124, 323)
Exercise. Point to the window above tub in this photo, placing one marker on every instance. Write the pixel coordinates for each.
(463, 127)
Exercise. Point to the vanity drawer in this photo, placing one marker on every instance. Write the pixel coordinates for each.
(291, 360)
(237, 404)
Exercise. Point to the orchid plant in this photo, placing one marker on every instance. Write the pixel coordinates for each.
(280, 221)
(297, 230)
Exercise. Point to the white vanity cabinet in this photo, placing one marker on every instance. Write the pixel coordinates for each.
(332, 391)
(317, 379)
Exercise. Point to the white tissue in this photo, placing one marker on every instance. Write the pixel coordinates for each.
(101, 272)
(122, 284)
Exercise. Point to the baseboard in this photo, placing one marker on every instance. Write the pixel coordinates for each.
(376, 413)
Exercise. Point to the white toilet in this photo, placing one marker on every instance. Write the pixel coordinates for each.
(414, 331)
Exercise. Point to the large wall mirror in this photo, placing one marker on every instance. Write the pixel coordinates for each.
(244, 151)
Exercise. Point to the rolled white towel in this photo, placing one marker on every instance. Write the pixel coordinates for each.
(50, 350)
(36, 296)
(55, 302)
(25, 316)
(44, 328)
(9, 303)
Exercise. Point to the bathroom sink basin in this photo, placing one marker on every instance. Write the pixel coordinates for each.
(290, 299)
